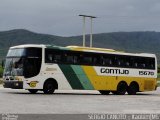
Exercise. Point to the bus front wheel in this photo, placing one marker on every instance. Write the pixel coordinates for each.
(49, 87)
(33, 91)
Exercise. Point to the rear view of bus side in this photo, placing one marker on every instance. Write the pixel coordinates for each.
(47, 67)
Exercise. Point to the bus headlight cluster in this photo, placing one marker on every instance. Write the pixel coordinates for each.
(18, 78)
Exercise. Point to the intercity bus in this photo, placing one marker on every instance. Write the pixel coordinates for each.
(49, 67)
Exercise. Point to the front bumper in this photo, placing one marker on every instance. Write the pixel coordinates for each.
(13, 84)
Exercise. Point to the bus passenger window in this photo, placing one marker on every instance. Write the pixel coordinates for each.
(135, 65)
(120, 62)
(70, 59)
(49, 58)
(107, 61)
(143, 65)
(127, 64)
(86, 60)
(152, 66)
(151, 63)
(75, 60)
(96, 61)
(57, 58)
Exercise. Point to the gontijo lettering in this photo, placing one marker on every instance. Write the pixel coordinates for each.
(114, 71)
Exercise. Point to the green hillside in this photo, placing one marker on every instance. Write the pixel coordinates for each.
(126, 41)
(20, 36)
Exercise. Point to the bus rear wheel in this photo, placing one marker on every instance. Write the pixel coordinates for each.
(49, 87)
(121, 88)
(132, 89)
(104, 92)
(33, 91)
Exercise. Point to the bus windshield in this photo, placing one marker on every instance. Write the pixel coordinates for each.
(16, 52)
(23, 62)
(14, 67)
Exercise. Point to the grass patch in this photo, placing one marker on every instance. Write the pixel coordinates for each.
(1, 81)
(1, 71)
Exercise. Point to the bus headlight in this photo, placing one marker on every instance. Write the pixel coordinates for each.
(18, 78)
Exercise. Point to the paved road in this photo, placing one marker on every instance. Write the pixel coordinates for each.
(77, 102)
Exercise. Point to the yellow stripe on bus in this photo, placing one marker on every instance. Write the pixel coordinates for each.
(99, 82)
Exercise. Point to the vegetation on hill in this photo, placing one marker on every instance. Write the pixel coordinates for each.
(1, 71)
(147, 42)
(1, 74)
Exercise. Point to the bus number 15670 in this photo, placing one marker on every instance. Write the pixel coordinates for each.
(146, 73)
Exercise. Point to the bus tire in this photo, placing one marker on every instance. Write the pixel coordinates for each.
(49, 87)
(121, 88)
(104, 92)
(133, 88)
(33, 91)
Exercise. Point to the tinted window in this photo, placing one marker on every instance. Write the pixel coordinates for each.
(86, 59)
(71, 57)
(107, 60)
(34, 52)
(33, 61)
(98, 59)
(53, 56)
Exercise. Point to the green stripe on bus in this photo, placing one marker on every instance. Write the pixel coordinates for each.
(82, 77)
(71, 77)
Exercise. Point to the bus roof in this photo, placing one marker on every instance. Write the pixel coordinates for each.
(28, 45)
(112, 51)
(91, 48)
(85, 49)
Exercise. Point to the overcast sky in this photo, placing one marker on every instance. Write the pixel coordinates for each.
(60, 17)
